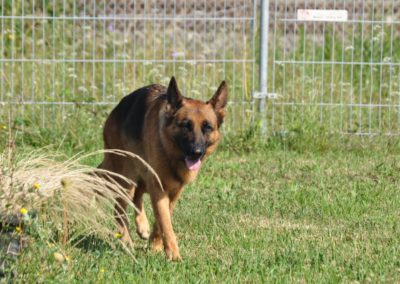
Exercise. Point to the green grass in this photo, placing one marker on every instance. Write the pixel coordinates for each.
(283, 209)
(300, 205)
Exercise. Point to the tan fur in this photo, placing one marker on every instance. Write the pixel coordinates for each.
(157, 145)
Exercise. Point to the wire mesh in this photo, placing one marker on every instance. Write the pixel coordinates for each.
(338, 76)
(56, 56)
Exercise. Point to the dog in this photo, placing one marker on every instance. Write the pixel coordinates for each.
(172, 133)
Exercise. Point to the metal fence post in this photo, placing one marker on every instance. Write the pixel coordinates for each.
(263, 68)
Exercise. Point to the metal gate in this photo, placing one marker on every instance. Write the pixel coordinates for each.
(333, 65)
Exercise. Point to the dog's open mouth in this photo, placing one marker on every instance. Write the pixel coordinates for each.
(192, 164)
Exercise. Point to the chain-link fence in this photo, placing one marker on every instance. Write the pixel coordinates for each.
(59, 55)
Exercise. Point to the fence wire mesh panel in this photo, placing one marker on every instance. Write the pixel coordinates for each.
(338, 74)
(57, 56)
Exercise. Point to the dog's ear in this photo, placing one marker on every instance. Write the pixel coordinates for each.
(174, 96)
(219, 101)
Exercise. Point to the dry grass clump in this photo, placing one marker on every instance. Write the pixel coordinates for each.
(70, 199)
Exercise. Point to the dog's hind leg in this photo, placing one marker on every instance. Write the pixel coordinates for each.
(142, 223)
(156, 241)
(122, 218)
(121, 204)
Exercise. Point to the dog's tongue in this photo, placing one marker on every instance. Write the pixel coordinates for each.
(192, 164)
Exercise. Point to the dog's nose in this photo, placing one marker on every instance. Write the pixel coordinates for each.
(197, 152)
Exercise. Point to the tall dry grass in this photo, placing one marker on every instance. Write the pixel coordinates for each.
(71, 200)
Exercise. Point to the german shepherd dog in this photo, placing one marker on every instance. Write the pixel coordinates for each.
(173, 134)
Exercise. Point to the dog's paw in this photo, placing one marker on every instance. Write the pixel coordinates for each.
(143, 228)
(143, 234)
(173, 255)
(127, 240)
(156, 245)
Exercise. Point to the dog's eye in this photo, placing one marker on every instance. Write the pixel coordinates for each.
(186, 124)
(207, 127)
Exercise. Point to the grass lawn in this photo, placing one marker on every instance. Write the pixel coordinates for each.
(261, 212)
(301, 206)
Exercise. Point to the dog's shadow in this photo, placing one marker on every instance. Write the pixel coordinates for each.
(93, 244)
(90, 244)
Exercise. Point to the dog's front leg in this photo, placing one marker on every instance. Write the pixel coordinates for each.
(161, 203)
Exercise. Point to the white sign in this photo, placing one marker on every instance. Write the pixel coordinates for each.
(322, 15)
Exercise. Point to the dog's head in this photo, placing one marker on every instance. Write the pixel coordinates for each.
(193, 125)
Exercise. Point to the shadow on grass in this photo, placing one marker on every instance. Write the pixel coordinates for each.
(92, 243)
